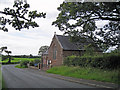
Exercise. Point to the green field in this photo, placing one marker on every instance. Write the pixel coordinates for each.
(19, 59)
(87, 73)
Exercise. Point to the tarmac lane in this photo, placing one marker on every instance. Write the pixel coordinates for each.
(24, 78)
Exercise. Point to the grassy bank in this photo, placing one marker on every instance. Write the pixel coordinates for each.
(2, 84)
(18, 66)
(0, 77)
(87, 73)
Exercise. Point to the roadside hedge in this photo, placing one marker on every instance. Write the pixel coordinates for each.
(35, 62)
(105, 61)
(24, 63)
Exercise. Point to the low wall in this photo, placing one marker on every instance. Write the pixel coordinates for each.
(33, 67)
(44, 68)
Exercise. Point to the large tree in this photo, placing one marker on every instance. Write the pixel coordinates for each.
(19, 16)
(79, 20)
(42, 50)
(8, 52)
(2, 49)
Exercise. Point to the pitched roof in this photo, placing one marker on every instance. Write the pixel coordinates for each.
(68, 45)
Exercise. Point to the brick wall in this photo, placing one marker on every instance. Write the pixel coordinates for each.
(59, 53)
(45, 57)
(69, 53)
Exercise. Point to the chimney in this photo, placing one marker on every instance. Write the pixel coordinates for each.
(54, 33)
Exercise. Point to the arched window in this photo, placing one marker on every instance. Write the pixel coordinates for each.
(54, 52)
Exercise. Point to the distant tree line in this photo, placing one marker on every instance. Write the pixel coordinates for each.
(4, 57)
(25, 56)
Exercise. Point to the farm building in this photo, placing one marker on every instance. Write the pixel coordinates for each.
(61, 47)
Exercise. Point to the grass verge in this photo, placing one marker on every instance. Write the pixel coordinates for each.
(87, 73)
(18, 66)
(2, 84)
(0, 78)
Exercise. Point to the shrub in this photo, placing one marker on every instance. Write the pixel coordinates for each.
(105, 61)
(24, 63)
(31, 63)
(70, 60)
(35, 62)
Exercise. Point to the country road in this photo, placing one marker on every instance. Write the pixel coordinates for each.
(24, 78)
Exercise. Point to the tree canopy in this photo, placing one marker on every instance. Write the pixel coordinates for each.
(2, 49)
(42, 50)
(79, 20)
(19, 17)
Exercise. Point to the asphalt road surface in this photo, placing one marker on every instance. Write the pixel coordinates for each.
(24, 78)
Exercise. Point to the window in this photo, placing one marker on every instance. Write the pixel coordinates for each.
(54, 52)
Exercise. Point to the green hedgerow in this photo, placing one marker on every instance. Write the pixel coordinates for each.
(24, 63)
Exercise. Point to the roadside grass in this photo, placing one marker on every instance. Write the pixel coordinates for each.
(19, 59)
(87, 73)
(2, 84)
(0, 77)
(18, 66)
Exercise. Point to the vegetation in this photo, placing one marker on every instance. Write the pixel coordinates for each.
(24, 63)
(9, 57)
(87, 73)
(42, 50)
(35, 62)
(2, 84)
(19, 16)
(105, 61)
(6, 51)
(101, 67)
(0, 77)
(2, 49)
(19, 59)
(18, 66)
(80, 20)
(25, 56)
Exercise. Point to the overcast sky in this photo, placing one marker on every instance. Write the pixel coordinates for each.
(27, 42)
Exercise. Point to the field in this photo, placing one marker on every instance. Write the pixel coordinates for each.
(19, 59)
(87, 73)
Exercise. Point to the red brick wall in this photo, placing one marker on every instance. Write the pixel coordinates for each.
(45, 57)
(59, 53)
(69, 53)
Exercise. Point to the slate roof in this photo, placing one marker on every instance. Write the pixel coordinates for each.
(68, 45)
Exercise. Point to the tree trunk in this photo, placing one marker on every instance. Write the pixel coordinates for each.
(9, 61)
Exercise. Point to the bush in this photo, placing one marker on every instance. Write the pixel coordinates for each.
(105, 61)
(70, 60)
(24, 63)
(4, 57)
(35, 62)
(31, 63)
